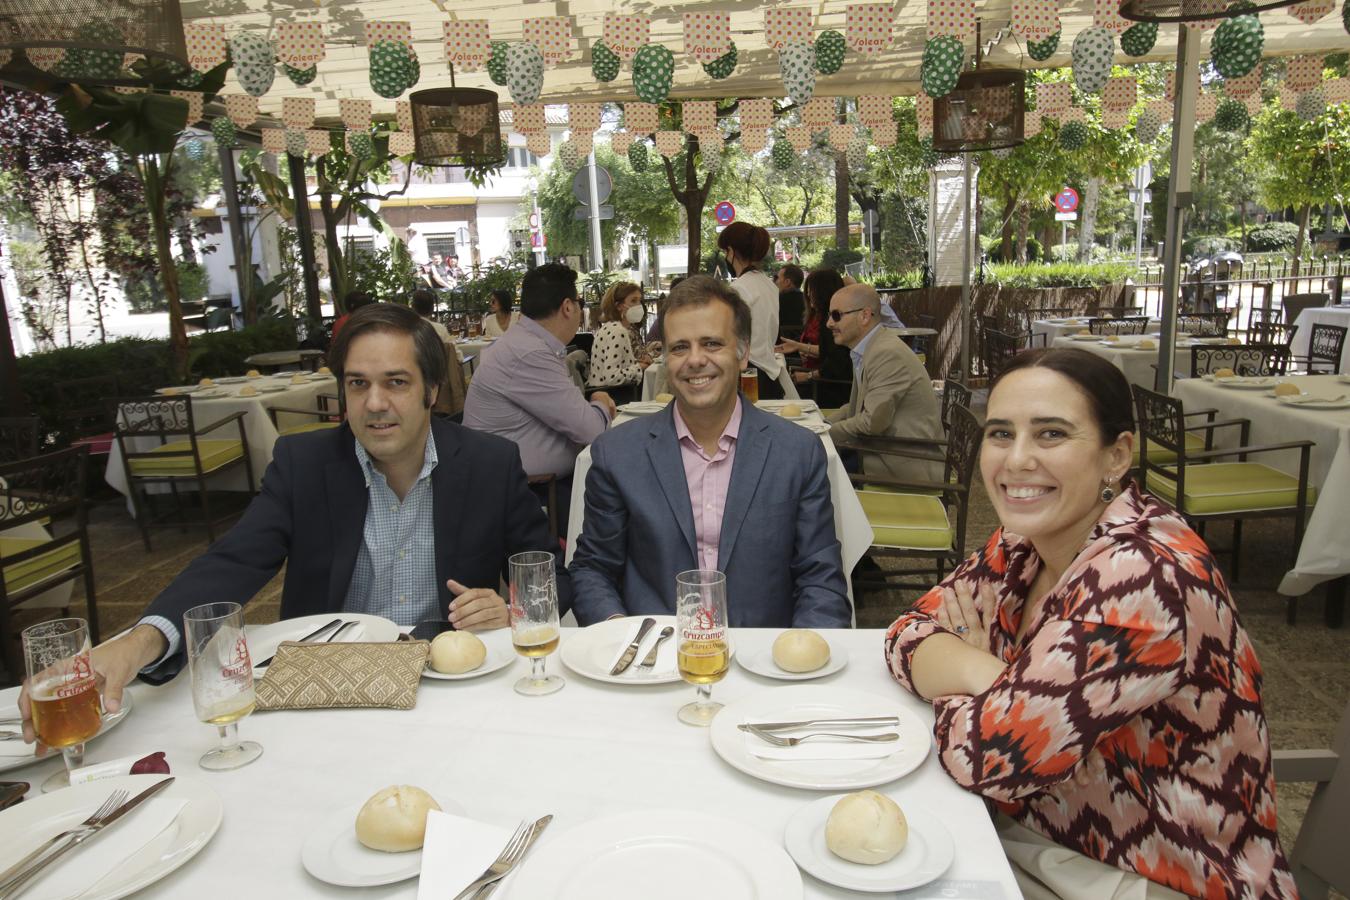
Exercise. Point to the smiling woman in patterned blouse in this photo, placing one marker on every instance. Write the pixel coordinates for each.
(1087, 667)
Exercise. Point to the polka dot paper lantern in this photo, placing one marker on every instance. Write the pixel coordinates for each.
(1073, 136)
(254, 62)
(1231, 116)
(797, 64)
(1236, 46)
(712, 159)
(524, 71)
(1311, 104)
(724, 65)
(856, 154)
(1139, 38)
(1147, 126)
(604, 63)
(829, 52)
(295, 143)
(225, 133)
(638, 157)
(1093, 51)
(943, 59)
(496, 64)
(360, 145)
(414, 69)
(1043, 50)
(390, 68)
(653, 72)
(567, 155)
(300, 77)
(190, 80)
(782, 155)
(89, 64)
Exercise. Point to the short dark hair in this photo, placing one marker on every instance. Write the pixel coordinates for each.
(793, 273)
(1105, 386)
(700, 290)
(429, 350)
(423, 302)
(504, 297)
(750, 242)
(544, 289)
(822, 284)
(357, 299)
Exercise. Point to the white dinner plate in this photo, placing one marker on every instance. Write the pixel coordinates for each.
(263, 640)
(1248, 383)
(1085, 337)
(644, 408)
(1307, 401)
(232, 379)
(500, 654)
(819, 427)
(50, 814)
(775, 405)
(332, 853)
(212, 394)
(592, 651)
(791, 703)
(184, 389)
(273, 388)
(660, 854)
(14, 754)
(761, 663)
(927, 854)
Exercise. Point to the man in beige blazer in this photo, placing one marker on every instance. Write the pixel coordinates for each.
(892, 396)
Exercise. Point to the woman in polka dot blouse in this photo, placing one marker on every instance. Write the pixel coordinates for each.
(618, 357)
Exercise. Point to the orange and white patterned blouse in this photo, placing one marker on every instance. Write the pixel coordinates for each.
(1128, 723)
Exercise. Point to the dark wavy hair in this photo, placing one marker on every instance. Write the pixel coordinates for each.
(1105, 386)
(821, 286)
(427, 346)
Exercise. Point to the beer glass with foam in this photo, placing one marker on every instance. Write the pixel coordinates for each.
(222, 680)
(702, 648)
(63, 691)
(534, 618)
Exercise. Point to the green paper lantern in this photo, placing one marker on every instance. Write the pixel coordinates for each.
(1232, 116)
(797, 65)
(604, 62)
(567, 155)
(496, 64)
(190, 80)
(524, 71)
(254, 62)
(196, 150)
(295, 143)
(856, 153)
(360, 145)
(414, 69)
(1237, 45)
(300, 77)
(225, 133)
(390, 68)
(1311, 104)
(929, 155)
(653, 72)
(1073, 136)
(93, 65)
(1139, 38)
(782, 155)
(1043, 50)
(724, 65)
(637, 156)
(830, 48)
(1147, 126)
(1093, 52)
(943, 59)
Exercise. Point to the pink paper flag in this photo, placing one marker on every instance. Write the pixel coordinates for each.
(403, 113)
(1032, 126)
(300, 44)
(1120, 92)
(1115, 118)
(206, 45)
(317, 142)
(799, 136)
(867, 27)
(1254, 103)
(529, 118)
(552, 35)
(584, 142)
(539, 143)
(995, 103)
(885, 134)
(753, 140)
(389, 31)
(785, 25)
(1073, 114)
(1206, 105)
(297, 112)
(584, 116)
(472, 120)
(818, 113)
(355, 113)
(1160, 108)
(468, 44)
(194, 102)
(1245, 86)
(707, 35)
(1304, 72)
(951, 17)
(273, 140)
(620, 141)
(1288, 98)
(756, 113)
(1034, 20)
(840, 135)
(626, 35)
(1106, 14)
(700, 115)
(923, 109)
(401, 143)
(241, 108)
(640, 118)
(875, 109)
(1053, 98)
(1310, 12)
(669, 143)
(711, 140)
(1337, 90)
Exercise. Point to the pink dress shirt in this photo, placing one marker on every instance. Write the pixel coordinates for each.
(709, 479)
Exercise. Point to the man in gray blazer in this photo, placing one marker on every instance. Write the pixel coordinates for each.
(710, 482)
(892, 396)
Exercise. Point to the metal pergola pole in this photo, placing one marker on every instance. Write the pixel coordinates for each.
(304, 236)
(1185, 88)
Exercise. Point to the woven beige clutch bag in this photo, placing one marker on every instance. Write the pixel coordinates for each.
(338, 676)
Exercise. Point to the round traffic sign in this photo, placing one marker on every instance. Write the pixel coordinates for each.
(1066, 200)
(725, 212)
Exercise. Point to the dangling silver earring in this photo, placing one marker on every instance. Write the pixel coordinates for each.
(1108, 493)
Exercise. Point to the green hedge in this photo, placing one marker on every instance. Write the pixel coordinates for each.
(1061, 275)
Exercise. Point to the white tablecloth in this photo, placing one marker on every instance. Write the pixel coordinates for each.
(589, 751)
(258, 428)
(1139, 366)
(1045, 331)
(1326, 315)
(654, 380)
(1323, 554)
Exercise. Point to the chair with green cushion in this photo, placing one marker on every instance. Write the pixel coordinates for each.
(920, 520)
(44, 539)
(183, 453)
(329, 414)
(1234, 490)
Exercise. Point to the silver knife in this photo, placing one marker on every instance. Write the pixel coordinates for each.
(335, 635)
(853, 722)
(649, 661)
(309, 637)
(486, 890)
(631, 653)
(17, 886)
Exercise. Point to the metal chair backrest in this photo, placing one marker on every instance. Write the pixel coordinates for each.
(1293, 304)
(18, 437)
(1267, 332)
(1209, 324)
(155, 416)
(1248, 359)
(1122, 325)
(1326, 344)
(964, 435)
(43, 487)
(999, 348)
(954, 394)
(1160, 422)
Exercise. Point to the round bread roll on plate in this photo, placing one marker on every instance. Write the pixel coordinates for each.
(457, 652)
(377, 842)
(1287, 389)
(798, 654)
(394, 820)
(866, 828)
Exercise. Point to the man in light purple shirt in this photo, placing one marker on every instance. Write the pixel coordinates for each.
(522, 389)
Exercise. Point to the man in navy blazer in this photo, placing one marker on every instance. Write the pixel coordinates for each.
(711, 482)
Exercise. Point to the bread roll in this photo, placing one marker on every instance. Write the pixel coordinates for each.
(866, 828)
(206, 382)
(324, 370)
(170, 392)
(297, 378)
(252, 373)
(1286, 389)
(790, 410)
(248, 390)
(395, 819)
(457, 652)
(1112, 337)
(1225, 372)
(800, 650)
(1146, 345)
(663, 397)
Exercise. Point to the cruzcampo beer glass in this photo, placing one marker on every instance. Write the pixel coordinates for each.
(750, 384)
(534, 618)
(702, 650)
(222, 680)
(63, 691)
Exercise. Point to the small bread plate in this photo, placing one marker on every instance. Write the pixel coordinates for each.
(761, 663)
(332, 853)
(1308, 401)
(927, 854)
(50, 814)
(1085, 337)
(232, 379)
(660, 854)
(500, 654)
(211, 394)
(641, 408)
(791, 703)
(273, 388)
(184, 389)
(1247, 383)
(263, 640)
(15, 753)
(593, 650)
(775, 406)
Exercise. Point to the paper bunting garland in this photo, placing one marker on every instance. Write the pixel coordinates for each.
(1254, 103)
(1032, 126)
(528, 118)
(402, 143)
(818, 113)
(868, 27)
(799, 136)
(710, 140)
(885, 134)
(640, 118)
(1106, 14)
(699, 115)
(194, 102)
(620, 141)
(875, 109)
(297, 112)
(669, 143)
(1120, 93)
(317, 143)
(48, 58)
(1053, 98)
(1337, 90)
(355, 113)
(625, 35)
(1288, 98)
(1169, 86)
(1073, 114)
(273, 140)
(1243, 87)
(584, 142)
(398, 32)
(539, 143)
(756, 113)
(206, 45)
(584, 116)
(951, 17)
(707, 35)
(1310, 12)
(241, 108)
(1115, 118)
(840, 135)
(1034, 20)
(1206, 105)
(300, 44)
(1304, 72)
(552, 35)
(785, 25)
(468, 44)
(403, 114)
(753, 140)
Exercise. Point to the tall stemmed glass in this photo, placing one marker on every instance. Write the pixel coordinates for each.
(702, 649)
(63, 691)
(222, 680)
(534, 618)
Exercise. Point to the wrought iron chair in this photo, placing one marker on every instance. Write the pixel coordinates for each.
(1245, 359)
(954, 394)
(182, 455)
(1324, 349)
(18, 437)
(999, 348)
(1213, 324)
(1122, 325)
(328, 415)
(1267, 332)
(37, 494)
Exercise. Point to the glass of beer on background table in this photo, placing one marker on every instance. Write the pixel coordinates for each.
(534, 618)
(750, 384)
(222, 680)
(702, 649)
(63, 691)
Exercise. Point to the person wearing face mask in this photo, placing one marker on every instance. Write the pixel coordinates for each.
(618, 357)
(745, 246)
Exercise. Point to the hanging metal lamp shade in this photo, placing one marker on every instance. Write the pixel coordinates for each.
(983, 112)
(93, 40)
(456, 127)
(1164, 11)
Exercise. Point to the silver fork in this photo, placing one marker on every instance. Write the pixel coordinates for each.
(779, 740)
(505, 860)
(95, 820)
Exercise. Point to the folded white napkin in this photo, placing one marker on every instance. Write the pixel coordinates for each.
(85, 866)
(455, 852)
(666, 662)
(820, 748)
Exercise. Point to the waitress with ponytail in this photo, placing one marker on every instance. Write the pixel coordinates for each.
(745, 246)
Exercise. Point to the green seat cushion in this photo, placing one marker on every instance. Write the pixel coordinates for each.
(910, 521)
(312, 426)
(1195, 443)
(214, 454)
(22, 575)
(1233, 487)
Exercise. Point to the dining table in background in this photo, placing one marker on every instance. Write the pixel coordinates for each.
(1323, 554)
(279, 359)
(1043, 332)
(590, 751)
(1139, 365)
(654, 380)
(1321, 315)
